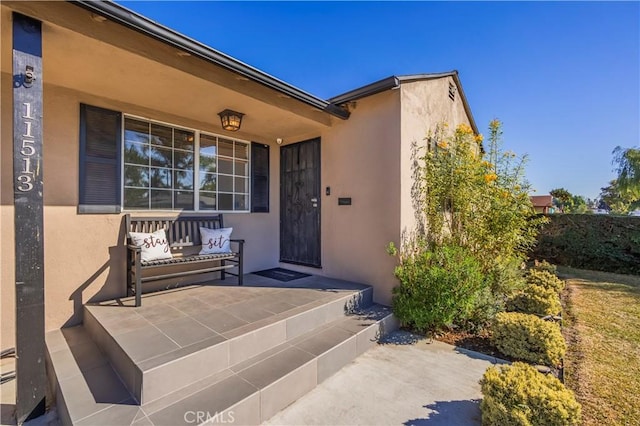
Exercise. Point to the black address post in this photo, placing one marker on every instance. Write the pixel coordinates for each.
(31, 379)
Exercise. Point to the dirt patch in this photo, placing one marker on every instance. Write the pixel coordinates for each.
(473, 342)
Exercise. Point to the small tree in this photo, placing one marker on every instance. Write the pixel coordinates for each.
(476, 200)
(616, 199)
(627, 162)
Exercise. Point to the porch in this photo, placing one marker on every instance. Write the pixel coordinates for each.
(193, 353)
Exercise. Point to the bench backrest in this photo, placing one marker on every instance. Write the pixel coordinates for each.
(182, 231)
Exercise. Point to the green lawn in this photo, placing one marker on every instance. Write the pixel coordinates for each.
(602, 328)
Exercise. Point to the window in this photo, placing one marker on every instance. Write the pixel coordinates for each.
(138, 164)
(158, 166)
(161, 169)
(224, 174)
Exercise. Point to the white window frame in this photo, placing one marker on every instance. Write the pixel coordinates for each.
(196, 167)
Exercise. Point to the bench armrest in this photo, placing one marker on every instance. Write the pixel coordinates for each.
(237, 241)
(134, 248)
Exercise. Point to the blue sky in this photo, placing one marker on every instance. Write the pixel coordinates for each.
(563, 77)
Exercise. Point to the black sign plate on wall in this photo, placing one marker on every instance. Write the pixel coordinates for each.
(31, 379)
(344, 201)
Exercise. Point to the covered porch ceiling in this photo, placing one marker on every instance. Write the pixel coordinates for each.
(88, 53)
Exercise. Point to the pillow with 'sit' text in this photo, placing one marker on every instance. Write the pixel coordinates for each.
(215, 241)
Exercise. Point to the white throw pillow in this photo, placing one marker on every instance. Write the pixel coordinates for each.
(215, 240)
(154, 245)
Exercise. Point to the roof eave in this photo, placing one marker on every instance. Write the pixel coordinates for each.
(394, 82)
(144, 25)
(368, 90)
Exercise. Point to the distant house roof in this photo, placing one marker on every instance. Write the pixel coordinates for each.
(395, 81)
(541, 200)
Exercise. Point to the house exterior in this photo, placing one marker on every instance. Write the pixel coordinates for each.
(543, 203)
(130, 125)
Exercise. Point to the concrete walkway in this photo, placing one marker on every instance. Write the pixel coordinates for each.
(405, 381)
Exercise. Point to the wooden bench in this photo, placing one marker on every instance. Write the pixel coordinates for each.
(183, 235)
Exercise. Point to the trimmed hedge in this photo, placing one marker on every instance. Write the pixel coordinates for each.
(535, 299)
(544, 279)
(529, 338)
(587, 241)
(544, 266)
(520, 395)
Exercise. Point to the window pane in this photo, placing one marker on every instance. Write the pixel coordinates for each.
(208, 145)
(183, 200)
(225, 166)
(207, 182)
(242, 150)
(225, 147)
(136, 131)
(183, 180)
(136, 153)
(136, 198)
(183, 160)
(161, 157)
(161, 199)
(225, 201)
(241, 168)
(160, 178)
(225, 183)
(161, 135)
(208, 164)
(240, 202)
(207, 200)
(242, 185)
(136, 176)
(183, 139)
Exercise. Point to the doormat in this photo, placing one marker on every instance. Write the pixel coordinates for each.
(281, 274)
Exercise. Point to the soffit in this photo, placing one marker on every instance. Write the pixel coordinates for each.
(105, 57)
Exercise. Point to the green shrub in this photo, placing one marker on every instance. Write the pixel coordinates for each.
(436, 287)
(535, 299)
(485, 307)
(544, 266)
(544, 279)
(529, 338)
(520, 395)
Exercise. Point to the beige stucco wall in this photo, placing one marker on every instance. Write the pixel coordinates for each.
(361, 160)
(424, 105)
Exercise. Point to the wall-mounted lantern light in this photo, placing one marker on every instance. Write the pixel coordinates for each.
(230, 120)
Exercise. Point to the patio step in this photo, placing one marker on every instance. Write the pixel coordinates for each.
(155, 349)
(254, 390)
(249, 366)
(84, 383)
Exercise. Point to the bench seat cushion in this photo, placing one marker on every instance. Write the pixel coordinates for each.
(188, 259)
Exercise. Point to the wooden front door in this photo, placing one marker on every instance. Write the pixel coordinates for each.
(300, 203)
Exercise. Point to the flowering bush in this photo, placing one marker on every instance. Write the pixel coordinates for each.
(477, 200)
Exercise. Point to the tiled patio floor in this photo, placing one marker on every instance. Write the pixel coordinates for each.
(173, 323)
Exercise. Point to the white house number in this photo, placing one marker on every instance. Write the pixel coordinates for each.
(25, 178)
